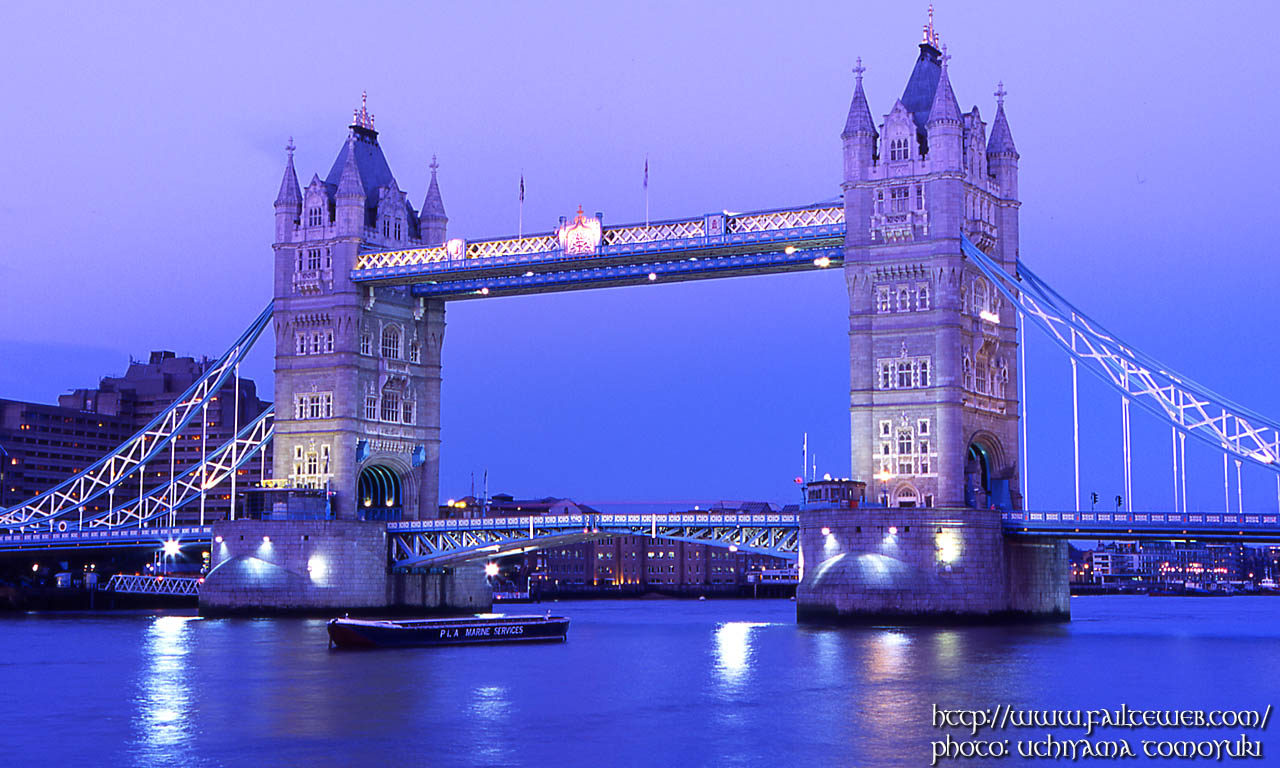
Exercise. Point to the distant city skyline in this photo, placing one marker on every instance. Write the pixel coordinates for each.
(144, 218)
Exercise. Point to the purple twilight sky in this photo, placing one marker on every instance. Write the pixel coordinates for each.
(145, 144)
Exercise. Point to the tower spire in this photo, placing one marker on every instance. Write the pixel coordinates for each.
(290, 193)
(360, 118)
(930, 36)
(945, 107)
(859, 120)
(433, 219)
(1001, 140)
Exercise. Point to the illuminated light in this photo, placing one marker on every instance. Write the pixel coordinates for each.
(790, 249)
(581, 236)
(826, 531)
(528, 274)
(733, 547)
(884, 476)
(653, 276)
(317, 567)
(822, 261)
(266, 539)
(990, 317)
(454, 248)
(368, 502)
(490, 569)
(449, 503)
(172, 548)
(826, 476)
(35, 567)
(893, 530)
(484, 291)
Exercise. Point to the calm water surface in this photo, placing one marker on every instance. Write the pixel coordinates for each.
(644, 683)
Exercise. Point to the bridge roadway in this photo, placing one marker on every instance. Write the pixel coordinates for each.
(424, 543)
(715, 245)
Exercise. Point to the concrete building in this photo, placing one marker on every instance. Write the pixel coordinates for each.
(357, 381)
(41, 445)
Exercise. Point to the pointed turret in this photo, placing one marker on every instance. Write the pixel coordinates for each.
(1002, 155)
(945, 126)
(288, 200)
(433, 220)
(859, 134)
(351, 194)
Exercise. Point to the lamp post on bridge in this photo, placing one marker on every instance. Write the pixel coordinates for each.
(883, 476)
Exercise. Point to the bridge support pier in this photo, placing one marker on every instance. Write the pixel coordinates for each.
(260, 568)
(925, 566)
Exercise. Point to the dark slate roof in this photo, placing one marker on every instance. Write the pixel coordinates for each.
(918, 96)
(945, 106)
(290, 193)
(859, 114)
(371, 163)
(433, 205)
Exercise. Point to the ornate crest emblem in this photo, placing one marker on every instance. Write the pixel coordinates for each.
(581, 236)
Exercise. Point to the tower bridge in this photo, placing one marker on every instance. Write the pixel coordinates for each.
(924, 231)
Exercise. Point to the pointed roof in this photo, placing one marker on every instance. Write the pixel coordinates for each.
(859, 120)
(918, 95)
(370, 164)
(944, 106)
(1001, 140)
(434, 204)
(350, 181)
(290, 192)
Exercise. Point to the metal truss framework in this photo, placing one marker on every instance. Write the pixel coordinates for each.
(110, 538)
(1164, 526)
(1190, 407)
(186, 487)
(536, 263)
(68, 499)
(442, 542)
(186, 586)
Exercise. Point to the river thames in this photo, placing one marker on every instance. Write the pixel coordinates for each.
(643, 683)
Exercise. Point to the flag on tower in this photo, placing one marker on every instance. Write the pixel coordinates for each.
(522, 187)
(646, 172)
(520, 225)
(646, 190)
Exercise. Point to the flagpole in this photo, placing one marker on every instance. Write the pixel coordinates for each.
(520, 226)
(646, 190)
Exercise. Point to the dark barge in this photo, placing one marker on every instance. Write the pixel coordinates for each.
(484, 628)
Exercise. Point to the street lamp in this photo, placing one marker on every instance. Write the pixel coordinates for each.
(884, 477)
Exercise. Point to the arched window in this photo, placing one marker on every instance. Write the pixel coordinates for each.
(979, 295)
(908, 497)
(391, 342)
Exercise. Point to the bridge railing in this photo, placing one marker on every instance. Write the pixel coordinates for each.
(824, 219)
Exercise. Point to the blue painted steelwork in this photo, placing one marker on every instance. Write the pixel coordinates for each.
(107, 537)
(633, 274)
(440, 542)
(1248, 527)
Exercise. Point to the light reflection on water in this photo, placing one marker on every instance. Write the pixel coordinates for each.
(164, 720)
(640, 683)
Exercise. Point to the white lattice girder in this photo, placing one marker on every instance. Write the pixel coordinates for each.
(630, 234)
(71, 495)
(155, 585)
(1190, 407)
(186, 486)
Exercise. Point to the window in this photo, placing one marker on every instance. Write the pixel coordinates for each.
(899, 149)
(397, 229)
(904, 441)
(919, 197)
(885, 426)
(315, 343)
(299, 252)
(922, 427)
(898, 197)
(922, 296)
(371, 407)
(313, 463)
(313, 258)
(366, 343)
(979, 296)
(879, 201)
(904, 300)
(301, 346)
(390, 406)
(391, 342)
(922, 373)
(328, 342)
(982, 377)
(968, 372)
(328, 258)
(313, 405)
(886, 375)
(407, 409)
(415, 352)
(386, 227)
(313, 217)
(882, 299)
(904, 375)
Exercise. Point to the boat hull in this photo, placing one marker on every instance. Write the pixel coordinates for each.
(357, 633)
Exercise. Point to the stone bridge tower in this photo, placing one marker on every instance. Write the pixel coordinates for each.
(357, 376)
(933, 347)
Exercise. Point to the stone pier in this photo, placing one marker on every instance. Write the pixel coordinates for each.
(326, 567)
(925, 566)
